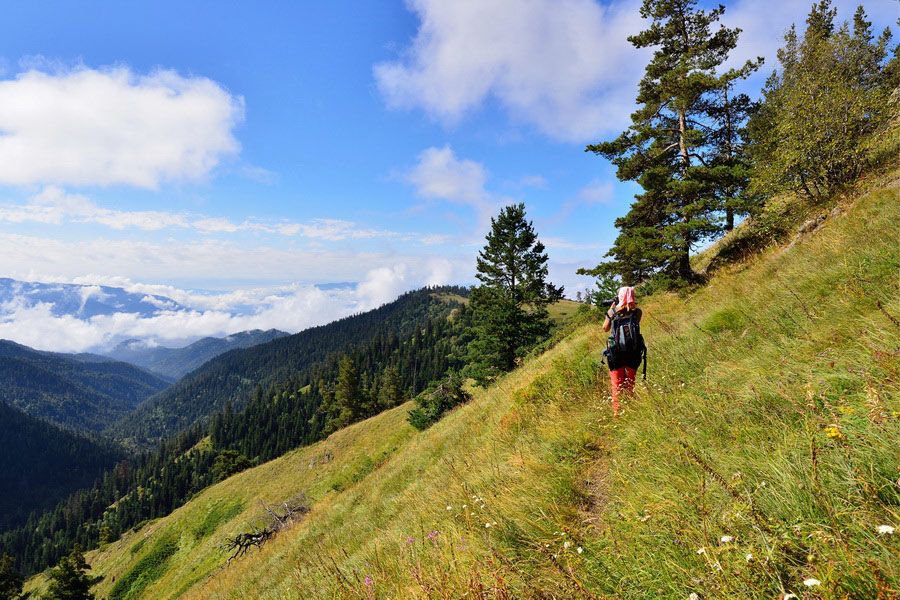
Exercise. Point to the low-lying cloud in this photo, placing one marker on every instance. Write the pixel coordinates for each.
(289, 308)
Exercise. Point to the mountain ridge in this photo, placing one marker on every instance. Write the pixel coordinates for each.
(175, 363)
(86, 394)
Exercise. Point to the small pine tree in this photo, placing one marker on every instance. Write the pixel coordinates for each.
(106, 534)
(510, 305)
(10, 580)
(229, 462)
(69, 580)
(433, 403)
(348, 403)
(390, 393)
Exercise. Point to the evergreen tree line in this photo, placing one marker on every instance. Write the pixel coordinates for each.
(86, 396)
(705, 155)
(43, 463)
(299, 410)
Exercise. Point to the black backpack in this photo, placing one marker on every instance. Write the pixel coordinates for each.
(625, 344)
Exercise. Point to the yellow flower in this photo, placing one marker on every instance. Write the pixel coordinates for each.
(833, 432)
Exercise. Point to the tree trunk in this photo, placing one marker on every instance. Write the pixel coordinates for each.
(684, 263)
(729, 219)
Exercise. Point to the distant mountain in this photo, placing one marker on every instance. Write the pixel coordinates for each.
(83, 301)
(177, 362)
(43, 463)
(83, 391)
(232, 378)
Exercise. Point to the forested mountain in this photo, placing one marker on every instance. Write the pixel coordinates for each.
(74, 391)
(234, 376)
(178, 362)
(396, 352)
(43, 463)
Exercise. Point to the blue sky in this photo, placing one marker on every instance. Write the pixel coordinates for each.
(259, 148)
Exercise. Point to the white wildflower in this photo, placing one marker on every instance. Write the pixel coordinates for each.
(718, 566)
(494, 523)
(789, 597)
(748, 558)
(727, 539)
(693, 596)
(579, 549)
(464, 505)
(487, 524)
(885, 530)
(449, 507)
(811, 582)
(567, 544)
(701, 550)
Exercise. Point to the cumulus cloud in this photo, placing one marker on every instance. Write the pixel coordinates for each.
(108, 126)
(440, 175)
(563, 66)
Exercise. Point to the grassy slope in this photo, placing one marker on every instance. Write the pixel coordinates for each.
(771, 416)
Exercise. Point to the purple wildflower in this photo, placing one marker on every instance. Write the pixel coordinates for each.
(368, 580)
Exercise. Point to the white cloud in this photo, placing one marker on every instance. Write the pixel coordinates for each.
(597, 192)
(382, 285)
(111, 126)
(563, 66)
(55, 206)
(290, 308)
(210, 263)
(440, 175)
(535, 181)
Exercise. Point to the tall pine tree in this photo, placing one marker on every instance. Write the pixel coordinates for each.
(669, 149)
(510, 305)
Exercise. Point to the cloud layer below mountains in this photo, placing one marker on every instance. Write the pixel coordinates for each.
(289, 308)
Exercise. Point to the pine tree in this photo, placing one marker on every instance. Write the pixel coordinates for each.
(69, 581)
(510, 305)
(347, 404)
(667, 148)
(390, 393)
(10, 580)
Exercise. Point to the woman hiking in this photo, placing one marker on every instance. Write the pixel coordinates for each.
(625, 349)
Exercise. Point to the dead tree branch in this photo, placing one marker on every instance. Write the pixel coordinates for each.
(294, 509)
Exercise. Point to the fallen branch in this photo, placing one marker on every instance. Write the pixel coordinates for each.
(242, 542)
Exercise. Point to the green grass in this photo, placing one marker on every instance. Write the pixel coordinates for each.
(148, 569)
(770, 420)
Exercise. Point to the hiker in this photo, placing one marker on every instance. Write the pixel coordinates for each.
(625, 349)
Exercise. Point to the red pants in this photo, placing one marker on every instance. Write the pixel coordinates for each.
(621, 378)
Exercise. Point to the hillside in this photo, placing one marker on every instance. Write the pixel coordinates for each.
(74, 391)
(175, 363)
(233, 377)
(43, 463)
(760, 454)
